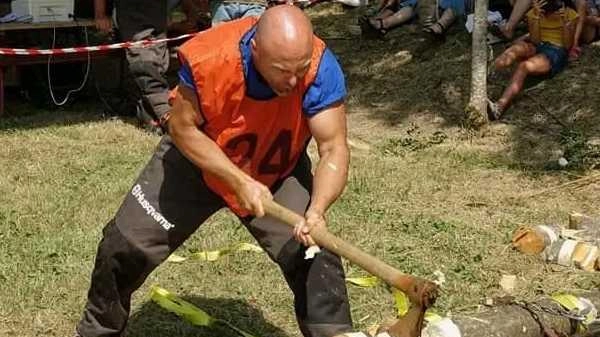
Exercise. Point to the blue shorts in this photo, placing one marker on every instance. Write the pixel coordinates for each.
(227, 11)
(458, 6)
(558, 56)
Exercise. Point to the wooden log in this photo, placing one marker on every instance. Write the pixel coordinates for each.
(515, 321)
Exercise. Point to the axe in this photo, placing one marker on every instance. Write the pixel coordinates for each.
(422, 293)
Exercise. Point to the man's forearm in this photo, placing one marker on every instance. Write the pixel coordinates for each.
(207, 155)
(330, 178)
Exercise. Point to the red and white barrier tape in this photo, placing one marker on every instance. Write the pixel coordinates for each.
(75, 50)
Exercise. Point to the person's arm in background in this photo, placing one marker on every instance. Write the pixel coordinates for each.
(534, 16)
(520, 7)
(575, 49)
(103, 22)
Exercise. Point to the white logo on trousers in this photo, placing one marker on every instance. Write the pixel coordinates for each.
(150, 210)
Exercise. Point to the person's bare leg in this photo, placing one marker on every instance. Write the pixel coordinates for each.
(519, 51)
(520, 7)
(378, 20)
(396, 19)
(536, 65)
(384, 14)
(589, 30)
(593, 20)
(591, 27)
(446, 19)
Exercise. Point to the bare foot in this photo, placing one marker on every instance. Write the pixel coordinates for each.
(503, 61)
(507, 31)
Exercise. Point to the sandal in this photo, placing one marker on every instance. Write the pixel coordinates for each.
(436, 29)
(428, 21)
(371, 31)
(575, 53)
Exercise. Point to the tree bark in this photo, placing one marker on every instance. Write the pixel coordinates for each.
(477, 108)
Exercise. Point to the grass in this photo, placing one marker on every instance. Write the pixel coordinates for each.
(428, 195)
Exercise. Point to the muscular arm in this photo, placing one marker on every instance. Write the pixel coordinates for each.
(329, 130)
(184, 120)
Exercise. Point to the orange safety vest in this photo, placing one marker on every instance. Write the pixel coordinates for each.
(264, 138)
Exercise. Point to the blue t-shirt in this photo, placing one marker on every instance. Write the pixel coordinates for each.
(329, 86)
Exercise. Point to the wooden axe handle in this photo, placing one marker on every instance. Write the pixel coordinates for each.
(414, 287)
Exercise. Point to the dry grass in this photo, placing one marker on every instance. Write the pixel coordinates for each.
(417, 199)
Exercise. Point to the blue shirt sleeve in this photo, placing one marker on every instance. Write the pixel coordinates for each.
(185, 75)
(328, 88)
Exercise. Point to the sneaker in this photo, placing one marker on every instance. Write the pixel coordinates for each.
(494, 112)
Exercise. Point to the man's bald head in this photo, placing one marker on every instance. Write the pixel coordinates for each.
(284, 28)
(283, 45)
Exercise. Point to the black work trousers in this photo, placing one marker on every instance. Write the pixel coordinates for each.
(167, 203)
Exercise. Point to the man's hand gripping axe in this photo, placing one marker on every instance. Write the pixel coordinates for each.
(422, 293)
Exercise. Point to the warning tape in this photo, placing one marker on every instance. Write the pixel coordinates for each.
(188, 311)
(214, 255)
(87, 49)
(199, 317)
(578, 306)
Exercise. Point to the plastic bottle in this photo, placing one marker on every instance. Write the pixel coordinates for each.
(580, 254)
(585, 256)
(534, 240)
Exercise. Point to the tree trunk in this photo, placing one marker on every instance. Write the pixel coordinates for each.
(477, 108)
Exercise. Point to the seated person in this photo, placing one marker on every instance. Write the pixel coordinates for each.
(591, 23)
(391, 13)
(543, 52)
(520, 7)
(445, 15)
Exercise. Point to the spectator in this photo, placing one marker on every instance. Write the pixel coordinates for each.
(591, 26)
(140, 20)
(544, 52)
(437, 24)
(520, 8)
(391, 13)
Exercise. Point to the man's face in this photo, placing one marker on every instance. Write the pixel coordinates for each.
(282, 70)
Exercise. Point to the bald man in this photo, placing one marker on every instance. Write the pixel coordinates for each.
(251, 96)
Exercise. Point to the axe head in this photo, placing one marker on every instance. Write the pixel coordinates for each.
(411, 324)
